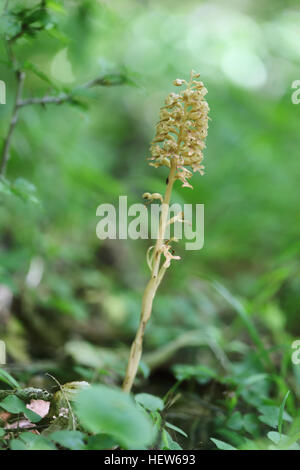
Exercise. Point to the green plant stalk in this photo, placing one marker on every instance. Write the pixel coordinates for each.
(157, 275)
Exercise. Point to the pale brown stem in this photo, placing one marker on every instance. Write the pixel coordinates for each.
(157, 274)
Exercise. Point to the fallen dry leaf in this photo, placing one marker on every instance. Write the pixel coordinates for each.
(40, 407)
(21, 424)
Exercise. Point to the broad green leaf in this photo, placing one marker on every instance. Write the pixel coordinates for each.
(100, 442)
(250, 423)
(14, 405)
(235, 421)
(270, 415)
(16, 444)
(30, 441)
(274, 436)
(9, 24)
(283, 441)
(101, 409)
(169, 443)
(73, 440)
(149, 402)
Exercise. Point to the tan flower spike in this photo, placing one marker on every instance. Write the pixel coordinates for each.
(178, 145)
(182, 130)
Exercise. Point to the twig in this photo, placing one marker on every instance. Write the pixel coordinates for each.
(14, 119)
(113, 79)
(47, 99)
(65, 97)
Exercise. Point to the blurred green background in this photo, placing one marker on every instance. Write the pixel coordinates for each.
(225, 306)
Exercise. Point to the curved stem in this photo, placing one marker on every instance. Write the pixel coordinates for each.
(151, 288)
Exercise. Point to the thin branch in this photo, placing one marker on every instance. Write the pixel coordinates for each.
(109, 80)
(14, 119)
(68, 97)
(23, 31)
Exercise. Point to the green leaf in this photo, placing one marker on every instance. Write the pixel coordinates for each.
(202, 374)
(274, 436)
(222, 445)
(175, 428)
(282, 441)
(24, 190)
(150, 402)
(100, 442)
(9, 24)
(14, 405)
(16, 444)
(101, 409)
(59, 35)
(169, 443)
(30, 441)
(235, 421)
(250, 423)
(73, 440)
(32, 416)
(270, 415)
(39, 73)
(55, 6)
(8, 379)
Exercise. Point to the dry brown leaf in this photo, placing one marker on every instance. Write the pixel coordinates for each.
(21, 424)
(40, 407)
